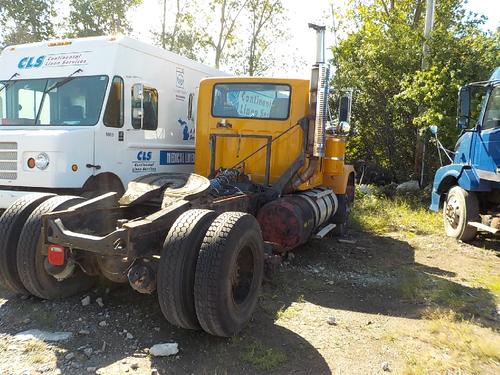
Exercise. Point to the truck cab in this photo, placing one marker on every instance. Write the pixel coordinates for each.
(468, 188)
(84, 116)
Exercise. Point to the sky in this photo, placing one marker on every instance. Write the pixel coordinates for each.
(302, 39)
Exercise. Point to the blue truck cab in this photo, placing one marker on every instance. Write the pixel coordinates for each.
(468, 189)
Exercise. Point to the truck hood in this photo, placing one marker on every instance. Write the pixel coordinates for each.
(64, 147)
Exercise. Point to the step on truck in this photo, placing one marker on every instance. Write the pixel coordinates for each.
(270, 173)
(468, 189)
(71, 121)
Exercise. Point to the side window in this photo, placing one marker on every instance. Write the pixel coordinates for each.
(113, 115)
(492, 114)
(150, 107)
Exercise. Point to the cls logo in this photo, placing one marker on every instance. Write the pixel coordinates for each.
(30, 62)
(144, 155)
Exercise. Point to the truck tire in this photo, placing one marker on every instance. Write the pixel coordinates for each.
(176, 271)
(30, 262)
(460, 208)
(11, 225)
(229, 274)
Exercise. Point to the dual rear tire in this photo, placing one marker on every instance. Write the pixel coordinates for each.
(22, 263)
(210, 271)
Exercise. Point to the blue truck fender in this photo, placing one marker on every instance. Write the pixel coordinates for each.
(451, 175)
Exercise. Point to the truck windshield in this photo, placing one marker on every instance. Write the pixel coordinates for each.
(251, 100)
(77, 102)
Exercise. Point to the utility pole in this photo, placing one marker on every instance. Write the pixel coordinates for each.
(429, 23)
(419, 149)
(163, 26)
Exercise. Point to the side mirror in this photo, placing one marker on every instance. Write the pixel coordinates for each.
(463, 112)
(343, 128)
(345, 109)
(137, 105)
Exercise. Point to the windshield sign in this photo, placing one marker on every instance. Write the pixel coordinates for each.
(76, 101)
(251, 100)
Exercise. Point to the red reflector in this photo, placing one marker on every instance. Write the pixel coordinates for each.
(56, 255)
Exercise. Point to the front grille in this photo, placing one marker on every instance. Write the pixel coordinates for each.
(8, 160)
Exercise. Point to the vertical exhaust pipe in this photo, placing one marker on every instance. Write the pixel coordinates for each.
(318, 108)
(318, 98)
(320, 42)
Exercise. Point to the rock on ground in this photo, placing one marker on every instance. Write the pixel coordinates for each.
(408, 187)
(164, 350)
(42, 335)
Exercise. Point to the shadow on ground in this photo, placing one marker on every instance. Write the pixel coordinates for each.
(376, 275)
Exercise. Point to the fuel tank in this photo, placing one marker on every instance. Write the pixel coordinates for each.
(291, 220)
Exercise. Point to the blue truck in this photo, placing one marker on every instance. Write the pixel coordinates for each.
(468, 189)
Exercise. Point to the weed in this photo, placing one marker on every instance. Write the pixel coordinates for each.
(380, 215)
(440, 293)
(411, 284)
(492, 282)
(34, 346)
(288, 313)
(263, 358)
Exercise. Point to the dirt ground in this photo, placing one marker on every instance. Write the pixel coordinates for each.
(391, 303)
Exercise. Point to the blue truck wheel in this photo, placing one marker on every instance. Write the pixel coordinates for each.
(461, 207)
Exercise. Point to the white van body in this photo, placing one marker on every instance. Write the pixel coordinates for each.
(77, 140)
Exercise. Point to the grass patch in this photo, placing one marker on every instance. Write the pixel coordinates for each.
(290, 312)
(492, 282)
(412, 284)
(34, 346)
(263, 358)
(381, 215)
(454, 346)
(440, 293)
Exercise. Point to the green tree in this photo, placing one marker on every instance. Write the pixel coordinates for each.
(25, 21)
(228, 13)
(394, 97)
(185, 37)
(262, 14)
(99, 17)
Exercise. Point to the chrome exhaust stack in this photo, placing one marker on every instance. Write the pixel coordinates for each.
(318, 99)
(318, 109)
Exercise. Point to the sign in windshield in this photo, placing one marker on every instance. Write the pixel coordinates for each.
(76, 101)
(251, 100)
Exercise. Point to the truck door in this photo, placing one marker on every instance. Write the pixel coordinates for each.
(109, 138)
(126, 147)
(488, 147)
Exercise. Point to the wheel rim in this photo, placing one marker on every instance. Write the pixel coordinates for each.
(242, 276)
(453, 212)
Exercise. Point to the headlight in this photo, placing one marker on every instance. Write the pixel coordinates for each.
(42, 161)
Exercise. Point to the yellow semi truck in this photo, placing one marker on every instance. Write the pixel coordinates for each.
(269, 174)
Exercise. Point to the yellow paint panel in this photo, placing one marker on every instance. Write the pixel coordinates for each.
(236, 143)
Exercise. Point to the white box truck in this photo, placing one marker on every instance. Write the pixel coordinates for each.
(88, 115)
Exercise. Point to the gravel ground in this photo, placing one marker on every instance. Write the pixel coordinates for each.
(388, 303)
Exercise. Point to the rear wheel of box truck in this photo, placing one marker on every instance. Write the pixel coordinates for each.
(229, 274)
(176, 271)
(32, 265)
(460, 208)
(11, 225)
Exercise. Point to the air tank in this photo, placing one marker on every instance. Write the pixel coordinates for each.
(291, 220)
